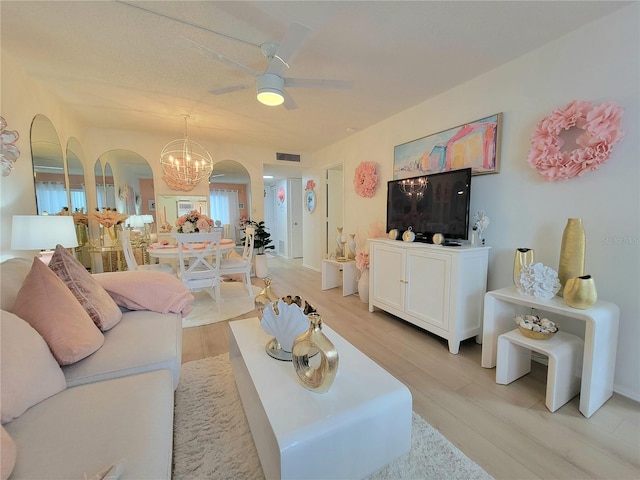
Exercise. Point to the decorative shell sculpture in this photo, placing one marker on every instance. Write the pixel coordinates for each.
(539, 281)
(286, 325)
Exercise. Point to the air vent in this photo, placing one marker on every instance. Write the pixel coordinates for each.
(287, 157)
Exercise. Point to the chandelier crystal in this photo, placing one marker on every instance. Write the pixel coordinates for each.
(414, 186)
(185, 163)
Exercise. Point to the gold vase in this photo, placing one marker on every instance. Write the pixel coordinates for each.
(572, 251)
(580, 292)
(265, 297)
(317, 379)
(524, 257)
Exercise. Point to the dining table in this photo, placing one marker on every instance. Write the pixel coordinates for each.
(170, 251)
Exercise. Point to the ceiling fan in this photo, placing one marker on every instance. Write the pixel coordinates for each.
(272, 83)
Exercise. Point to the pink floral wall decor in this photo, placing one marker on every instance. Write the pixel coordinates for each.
(9, 153)
(310, 185)
(281, 194)
(365, 179)
(601, 129)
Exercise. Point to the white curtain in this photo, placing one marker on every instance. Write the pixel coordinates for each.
(224, 207)
(78, 200)
(52, 197)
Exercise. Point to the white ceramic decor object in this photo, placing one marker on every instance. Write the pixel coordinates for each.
(287, 325)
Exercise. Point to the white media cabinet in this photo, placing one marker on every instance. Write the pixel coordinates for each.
(440, 289)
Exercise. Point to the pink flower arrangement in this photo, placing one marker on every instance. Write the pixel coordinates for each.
(109, 218)
(601, 126)
(365, 179)
(310, 185)
(194, 222)
(362, 260)
(281, 194)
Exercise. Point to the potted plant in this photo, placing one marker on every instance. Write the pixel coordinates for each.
(261, 242)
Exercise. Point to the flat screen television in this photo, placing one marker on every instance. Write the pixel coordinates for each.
(442, 207)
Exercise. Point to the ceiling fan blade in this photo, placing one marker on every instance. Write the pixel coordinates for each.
(296, 34)
(221, 58)
(317, 83)
(289, 102)
(222, 91)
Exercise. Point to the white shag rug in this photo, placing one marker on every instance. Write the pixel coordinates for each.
(212, 440)
(235, 301)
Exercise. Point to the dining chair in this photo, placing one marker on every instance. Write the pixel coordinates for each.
(130, 258)
(241, 264)
(199, 261)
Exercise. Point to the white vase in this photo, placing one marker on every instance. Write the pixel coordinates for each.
(363, 286)
(352, 246)
(262, 269)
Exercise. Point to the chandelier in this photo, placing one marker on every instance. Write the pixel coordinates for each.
(185, 163)
(414, 186)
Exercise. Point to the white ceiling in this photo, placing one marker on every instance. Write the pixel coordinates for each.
(132, 65)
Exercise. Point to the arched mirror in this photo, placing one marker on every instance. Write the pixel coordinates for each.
(230, 196)
(101, 200)
(75, 172)
(48, 167)
(109, 187)
(129, 183)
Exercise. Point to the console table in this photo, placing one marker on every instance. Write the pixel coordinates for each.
(335, 273)
(600, 339)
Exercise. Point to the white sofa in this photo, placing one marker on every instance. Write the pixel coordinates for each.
(118, 403)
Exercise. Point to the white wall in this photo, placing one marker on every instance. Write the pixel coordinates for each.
(599, 63)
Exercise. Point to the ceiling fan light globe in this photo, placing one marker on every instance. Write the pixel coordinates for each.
(270, 97)
(270, 89)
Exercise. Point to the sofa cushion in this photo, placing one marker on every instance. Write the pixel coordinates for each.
(29, 373)
(12, 273)
(143, 341)
(94, 299)
(83, 429)
(7, 454)
(46, 303)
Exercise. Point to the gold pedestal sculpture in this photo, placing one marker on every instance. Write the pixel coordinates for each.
(317, 379)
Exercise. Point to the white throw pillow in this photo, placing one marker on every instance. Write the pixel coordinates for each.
(28, 371)
(12, 273)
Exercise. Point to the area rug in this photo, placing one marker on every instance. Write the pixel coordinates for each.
(235, 301)
(212, 440)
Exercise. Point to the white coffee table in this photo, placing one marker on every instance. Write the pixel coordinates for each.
(359, 426)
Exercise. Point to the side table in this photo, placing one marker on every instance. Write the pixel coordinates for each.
(335, 273)
(600, 340)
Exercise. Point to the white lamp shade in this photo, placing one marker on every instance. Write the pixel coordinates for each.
(42, 232)
(135, 221)
(148, 218)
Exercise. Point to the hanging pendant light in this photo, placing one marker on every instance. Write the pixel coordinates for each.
(185, 163)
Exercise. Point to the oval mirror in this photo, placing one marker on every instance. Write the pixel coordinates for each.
(75, 172)
(48, 167)
(230, 197)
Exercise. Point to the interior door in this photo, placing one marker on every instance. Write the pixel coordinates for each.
(295, 217)
(334, 209)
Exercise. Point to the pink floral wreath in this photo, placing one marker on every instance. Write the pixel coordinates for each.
(365, 179)
(601, 127)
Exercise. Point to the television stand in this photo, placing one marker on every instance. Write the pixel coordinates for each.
(440, 290)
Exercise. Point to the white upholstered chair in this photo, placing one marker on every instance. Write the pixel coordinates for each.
(241, 264)
(199, 261)
(130, 258)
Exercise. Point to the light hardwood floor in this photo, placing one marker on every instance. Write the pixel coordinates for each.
(506, 429)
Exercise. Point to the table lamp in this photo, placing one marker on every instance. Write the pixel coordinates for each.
(43, 232)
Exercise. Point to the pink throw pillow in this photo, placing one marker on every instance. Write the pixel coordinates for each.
(8, 453)
(94, 299)
(46, 303)
(29, 372)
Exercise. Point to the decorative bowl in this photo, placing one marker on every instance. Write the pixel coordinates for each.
(285, 326)
(532, 326)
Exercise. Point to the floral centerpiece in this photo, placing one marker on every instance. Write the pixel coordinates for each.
(194, 222)
(362, 260)
(109, 218)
